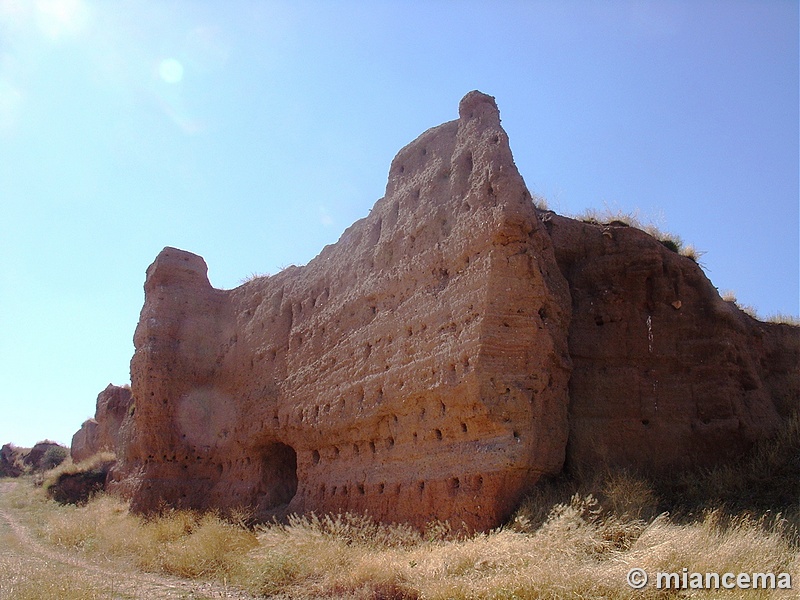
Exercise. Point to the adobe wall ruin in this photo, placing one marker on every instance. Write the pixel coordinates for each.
(449, 350)
(101, 432)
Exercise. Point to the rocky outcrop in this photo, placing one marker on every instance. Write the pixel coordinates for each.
(102, 433)
(449, 350)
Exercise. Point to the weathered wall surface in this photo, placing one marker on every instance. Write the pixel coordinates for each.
(666, 374)
(101, 433)
(434, 362)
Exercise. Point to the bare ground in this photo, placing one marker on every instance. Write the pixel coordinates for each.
(23, 556)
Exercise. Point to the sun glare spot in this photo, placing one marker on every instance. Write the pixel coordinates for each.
(170, 70)
(58, 19)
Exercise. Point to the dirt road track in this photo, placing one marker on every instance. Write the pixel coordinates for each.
(21, 554)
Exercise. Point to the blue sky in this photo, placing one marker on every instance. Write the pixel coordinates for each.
(254, 133)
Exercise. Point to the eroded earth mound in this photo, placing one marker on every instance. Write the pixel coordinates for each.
(448, 351)
(101, 433)
(16, 461)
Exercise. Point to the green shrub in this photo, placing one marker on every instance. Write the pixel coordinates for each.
(671, 245)
(54, 456)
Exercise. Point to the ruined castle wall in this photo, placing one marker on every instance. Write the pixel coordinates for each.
(417, 369)
(450, 349)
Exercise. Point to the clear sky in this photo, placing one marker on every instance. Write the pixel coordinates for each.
(253, 133)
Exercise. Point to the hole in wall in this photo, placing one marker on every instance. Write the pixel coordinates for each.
(278, 476)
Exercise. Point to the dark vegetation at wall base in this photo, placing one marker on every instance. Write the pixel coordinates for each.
(76, 483)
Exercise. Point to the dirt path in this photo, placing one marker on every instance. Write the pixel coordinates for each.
(24, 557)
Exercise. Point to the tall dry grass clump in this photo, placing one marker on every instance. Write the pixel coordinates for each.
(182, 543)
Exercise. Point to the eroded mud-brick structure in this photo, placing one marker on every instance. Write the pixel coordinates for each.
(449, 350)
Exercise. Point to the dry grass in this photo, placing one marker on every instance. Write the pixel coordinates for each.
(182, 543)
(49, 478)
(37, 581)
(782, 318)
(583, 549)
(574, 538)
(634, 219)
(765, 484)
(253, 276)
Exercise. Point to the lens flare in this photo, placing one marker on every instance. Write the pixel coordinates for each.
(170, 70)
